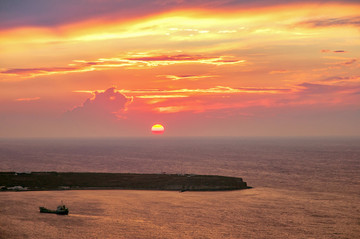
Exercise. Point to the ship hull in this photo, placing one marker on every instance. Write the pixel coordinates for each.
(60, 212)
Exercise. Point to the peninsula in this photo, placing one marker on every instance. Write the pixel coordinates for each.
(39, 181)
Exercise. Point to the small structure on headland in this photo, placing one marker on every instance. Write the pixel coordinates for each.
(14, 188)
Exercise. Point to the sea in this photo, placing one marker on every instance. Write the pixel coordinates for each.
(301, 188)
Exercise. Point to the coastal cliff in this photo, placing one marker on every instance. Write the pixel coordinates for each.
(76, 181)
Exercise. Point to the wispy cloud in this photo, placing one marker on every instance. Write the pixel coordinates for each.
(332, 51)
(213, 90)
(341, 79)
(135, 61)
(278, 72)
(332, 22)
(32, 72)
(45, 13)
(161, 96)
(346, 63)
(325, 89)
(156, 60)
(28, 99)
(187, 77)
(349, 62)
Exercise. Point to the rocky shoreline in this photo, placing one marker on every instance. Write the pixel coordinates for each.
(40, 181)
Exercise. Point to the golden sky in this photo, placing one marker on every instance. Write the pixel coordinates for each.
(220, 68)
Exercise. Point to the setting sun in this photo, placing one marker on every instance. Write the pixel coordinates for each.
(157, 129)
(268, 91)
(226, 68)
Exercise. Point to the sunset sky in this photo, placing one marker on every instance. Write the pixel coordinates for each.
(200, 68)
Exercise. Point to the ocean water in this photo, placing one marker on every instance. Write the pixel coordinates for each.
(302, 188)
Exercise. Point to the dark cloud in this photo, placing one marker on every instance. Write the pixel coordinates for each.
(187, 76)
(331, 22)
(310, 88)
(349, 62)
(14, 13)
(337, 51)
(341, 79)
(108, 104)
(336, 78)
(322, 89)
(35, 71)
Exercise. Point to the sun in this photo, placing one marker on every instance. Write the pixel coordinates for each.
(157, 129)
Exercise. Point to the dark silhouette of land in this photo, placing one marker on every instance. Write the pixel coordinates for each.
(76, 181)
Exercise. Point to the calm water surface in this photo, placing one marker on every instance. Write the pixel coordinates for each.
(305, 188)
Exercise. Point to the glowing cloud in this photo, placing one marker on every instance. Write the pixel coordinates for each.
(108, 103)
(197, 59)
(214, 90)
(187, 77)
(28, 99)
(125, 61)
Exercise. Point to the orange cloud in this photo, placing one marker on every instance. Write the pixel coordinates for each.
(332, 22)
(349, 62)
(32, 72)
(278, 72)
(341, 79)
(336, 51)
(161, 96)
(177, 100)
(28, 99)
(125, 61)
(224, 90)
(187, 77)
(184, 58)
(204, 106)
(106, 104)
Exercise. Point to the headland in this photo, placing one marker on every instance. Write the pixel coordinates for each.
(40, 181)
